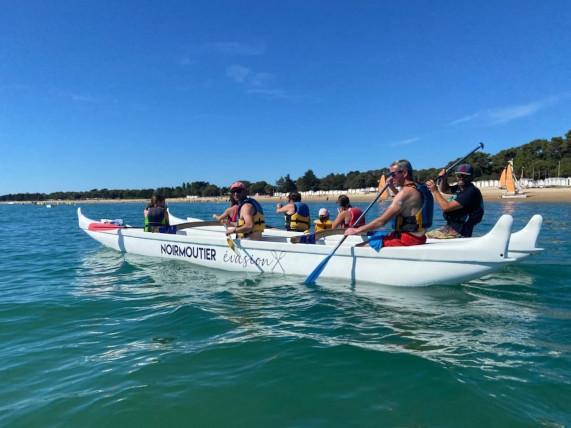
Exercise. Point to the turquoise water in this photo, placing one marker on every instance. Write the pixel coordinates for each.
(94, 338)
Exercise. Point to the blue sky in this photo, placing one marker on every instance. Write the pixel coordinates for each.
(137, 94)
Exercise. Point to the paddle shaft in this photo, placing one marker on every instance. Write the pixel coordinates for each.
(180, 226)
(317, 271)
(191, 224)
(459, 161)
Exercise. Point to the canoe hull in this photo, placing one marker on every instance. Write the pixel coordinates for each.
(215, 253)
(423, 265)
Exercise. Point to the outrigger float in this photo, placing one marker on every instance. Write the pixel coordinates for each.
(437, 262)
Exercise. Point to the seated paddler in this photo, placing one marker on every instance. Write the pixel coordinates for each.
(296, 213)
(410, 212)
(323, 222)
(463, 206)
(348, 215)
(156, 214)
(229, 214)
(250, 215)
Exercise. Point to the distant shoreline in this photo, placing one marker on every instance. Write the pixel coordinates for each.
(550, 194)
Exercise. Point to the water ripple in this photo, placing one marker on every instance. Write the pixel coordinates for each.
(90, 334)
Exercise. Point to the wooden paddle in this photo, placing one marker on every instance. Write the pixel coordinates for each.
(312, 277)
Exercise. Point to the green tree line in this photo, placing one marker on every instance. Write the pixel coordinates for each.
(537, 159)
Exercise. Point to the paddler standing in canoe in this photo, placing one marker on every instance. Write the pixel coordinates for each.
(250, 216)
(406, 210)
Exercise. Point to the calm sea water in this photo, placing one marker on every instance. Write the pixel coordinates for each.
(90, 337)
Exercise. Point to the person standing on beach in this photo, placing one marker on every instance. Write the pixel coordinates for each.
(406, 211)
(464, 210)
(296, 213)
(347, 215)
(250, 215)
(156, 214)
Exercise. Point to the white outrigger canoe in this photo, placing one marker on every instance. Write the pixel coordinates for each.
(437, 262)
(521, 244)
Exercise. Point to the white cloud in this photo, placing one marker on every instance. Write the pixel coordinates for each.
(405, 142)
(507, 114)
(74, 96)
(275, 93)
(465, 119)
(258, 83)
(185, 60)
(234, 48)
(499, 115)
(238, 73)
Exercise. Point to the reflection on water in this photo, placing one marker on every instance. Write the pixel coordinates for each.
(484, 323)
(509, 207)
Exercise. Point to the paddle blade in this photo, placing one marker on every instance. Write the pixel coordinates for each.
(232, 245)
(312, 277)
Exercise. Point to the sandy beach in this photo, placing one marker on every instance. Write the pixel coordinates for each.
(552, 194)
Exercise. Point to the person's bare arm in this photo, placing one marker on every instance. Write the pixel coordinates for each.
(394, 208)
(225, 216)
(247, 213)
(340, 219)
(288, 208)
(391, 186)
(446, 206)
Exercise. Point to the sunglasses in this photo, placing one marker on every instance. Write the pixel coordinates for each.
(394, 173)
(235, 191)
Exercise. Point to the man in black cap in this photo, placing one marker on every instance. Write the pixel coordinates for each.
(465, 208)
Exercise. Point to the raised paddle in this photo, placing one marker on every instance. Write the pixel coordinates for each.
(312, 277)
(459, 161)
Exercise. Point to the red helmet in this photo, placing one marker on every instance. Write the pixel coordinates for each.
(237, 185)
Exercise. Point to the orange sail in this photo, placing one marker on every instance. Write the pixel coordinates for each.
(382, 184)
(503, 179)
(513, 188)
(510, 182)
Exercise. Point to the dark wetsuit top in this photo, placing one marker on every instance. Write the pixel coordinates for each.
(463, 220)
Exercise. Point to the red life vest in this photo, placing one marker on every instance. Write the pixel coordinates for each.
(355, 213)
